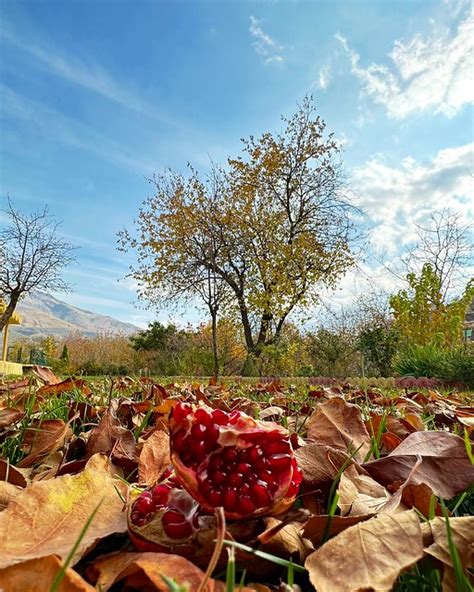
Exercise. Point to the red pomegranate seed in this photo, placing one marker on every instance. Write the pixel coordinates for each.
(215, 498)
(230, 454)
(178, 530)
(144, 503)
(279, 462)
(160, 493)
(198, 431)
(180, 441)
(255, 453)
(220, 417)
(203, 417)
(212, 434)
(219, 477)
(198, 449)
(235, 479)
(216, 462)
(277, 448)
(260, 496)
(181, 411)
(246, 505)
(244, 468)
(172, 517)
(229, 500)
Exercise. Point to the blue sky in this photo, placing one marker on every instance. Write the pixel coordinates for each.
(97, 95)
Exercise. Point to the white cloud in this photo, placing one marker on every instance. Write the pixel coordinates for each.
(264, 45)
(88, 75)
(396, 197)
(434, 72)
(324, 77)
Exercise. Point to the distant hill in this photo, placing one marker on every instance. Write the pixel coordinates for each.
(43, 315)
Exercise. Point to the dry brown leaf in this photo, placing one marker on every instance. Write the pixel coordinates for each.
(12, 474)
(110, 437)
(10, 416)
(462, 530)
(319, 463)
(38, 574)
(359, 494)
(47, 517)
(445, 466)
(154, 458)
(367, 556)
(46, 375)
(143, 571)
(70, 384)
(287, 542)
(44, 438)
(339, 424)
(7, 492)
(316, 526)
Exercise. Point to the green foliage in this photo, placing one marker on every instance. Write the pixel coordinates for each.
(333, 353)
(456, 364)
(422, 316)
(379, 346)
(157, 337)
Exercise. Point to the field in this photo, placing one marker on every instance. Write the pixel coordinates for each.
(382, 497)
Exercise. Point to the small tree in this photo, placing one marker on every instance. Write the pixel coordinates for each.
(422, 314)
(32, 257)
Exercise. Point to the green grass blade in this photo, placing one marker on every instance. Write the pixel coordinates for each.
(267, 556)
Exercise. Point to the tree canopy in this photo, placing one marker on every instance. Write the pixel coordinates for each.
(271, 229)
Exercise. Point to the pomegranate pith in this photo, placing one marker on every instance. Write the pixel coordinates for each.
(231, 460)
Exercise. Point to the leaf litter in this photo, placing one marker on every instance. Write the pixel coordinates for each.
(376, 467)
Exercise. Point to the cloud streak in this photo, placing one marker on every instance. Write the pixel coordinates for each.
(70, 132)
(266, 47)
(90, 76)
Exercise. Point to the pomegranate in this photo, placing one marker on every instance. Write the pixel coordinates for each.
(163, 518)
(166, 519)
(232, 460)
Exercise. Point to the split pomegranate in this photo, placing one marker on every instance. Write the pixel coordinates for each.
(163, 518)
(232, 460)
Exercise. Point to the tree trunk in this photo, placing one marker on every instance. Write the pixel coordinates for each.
(215, 350)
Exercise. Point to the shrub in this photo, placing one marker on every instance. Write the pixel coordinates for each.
(453, 365)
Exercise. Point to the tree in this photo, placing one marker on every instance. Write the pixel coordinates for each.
(422, 313)
(444, 242)
(32, 257)
(272, 229)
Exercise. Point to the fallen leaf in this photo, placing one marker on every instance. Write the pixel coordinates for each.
(38, 574)
(47, 517)
(70, 384)
(462, 530)
(7, 492)
(12, 474)
(43, 438)
(9, 417)
(319, 463)
(143, 571)
(110, 437)
(154, 458)
(445, 466)
(367, 556)
(339, 424)
(316, 525)
(359, 494)
(46, 375)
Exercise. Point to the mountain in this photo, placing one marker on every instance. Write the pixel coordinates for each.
(43, 315)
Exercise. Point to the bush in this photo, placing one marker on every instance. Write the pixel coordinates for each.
(452, 365)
